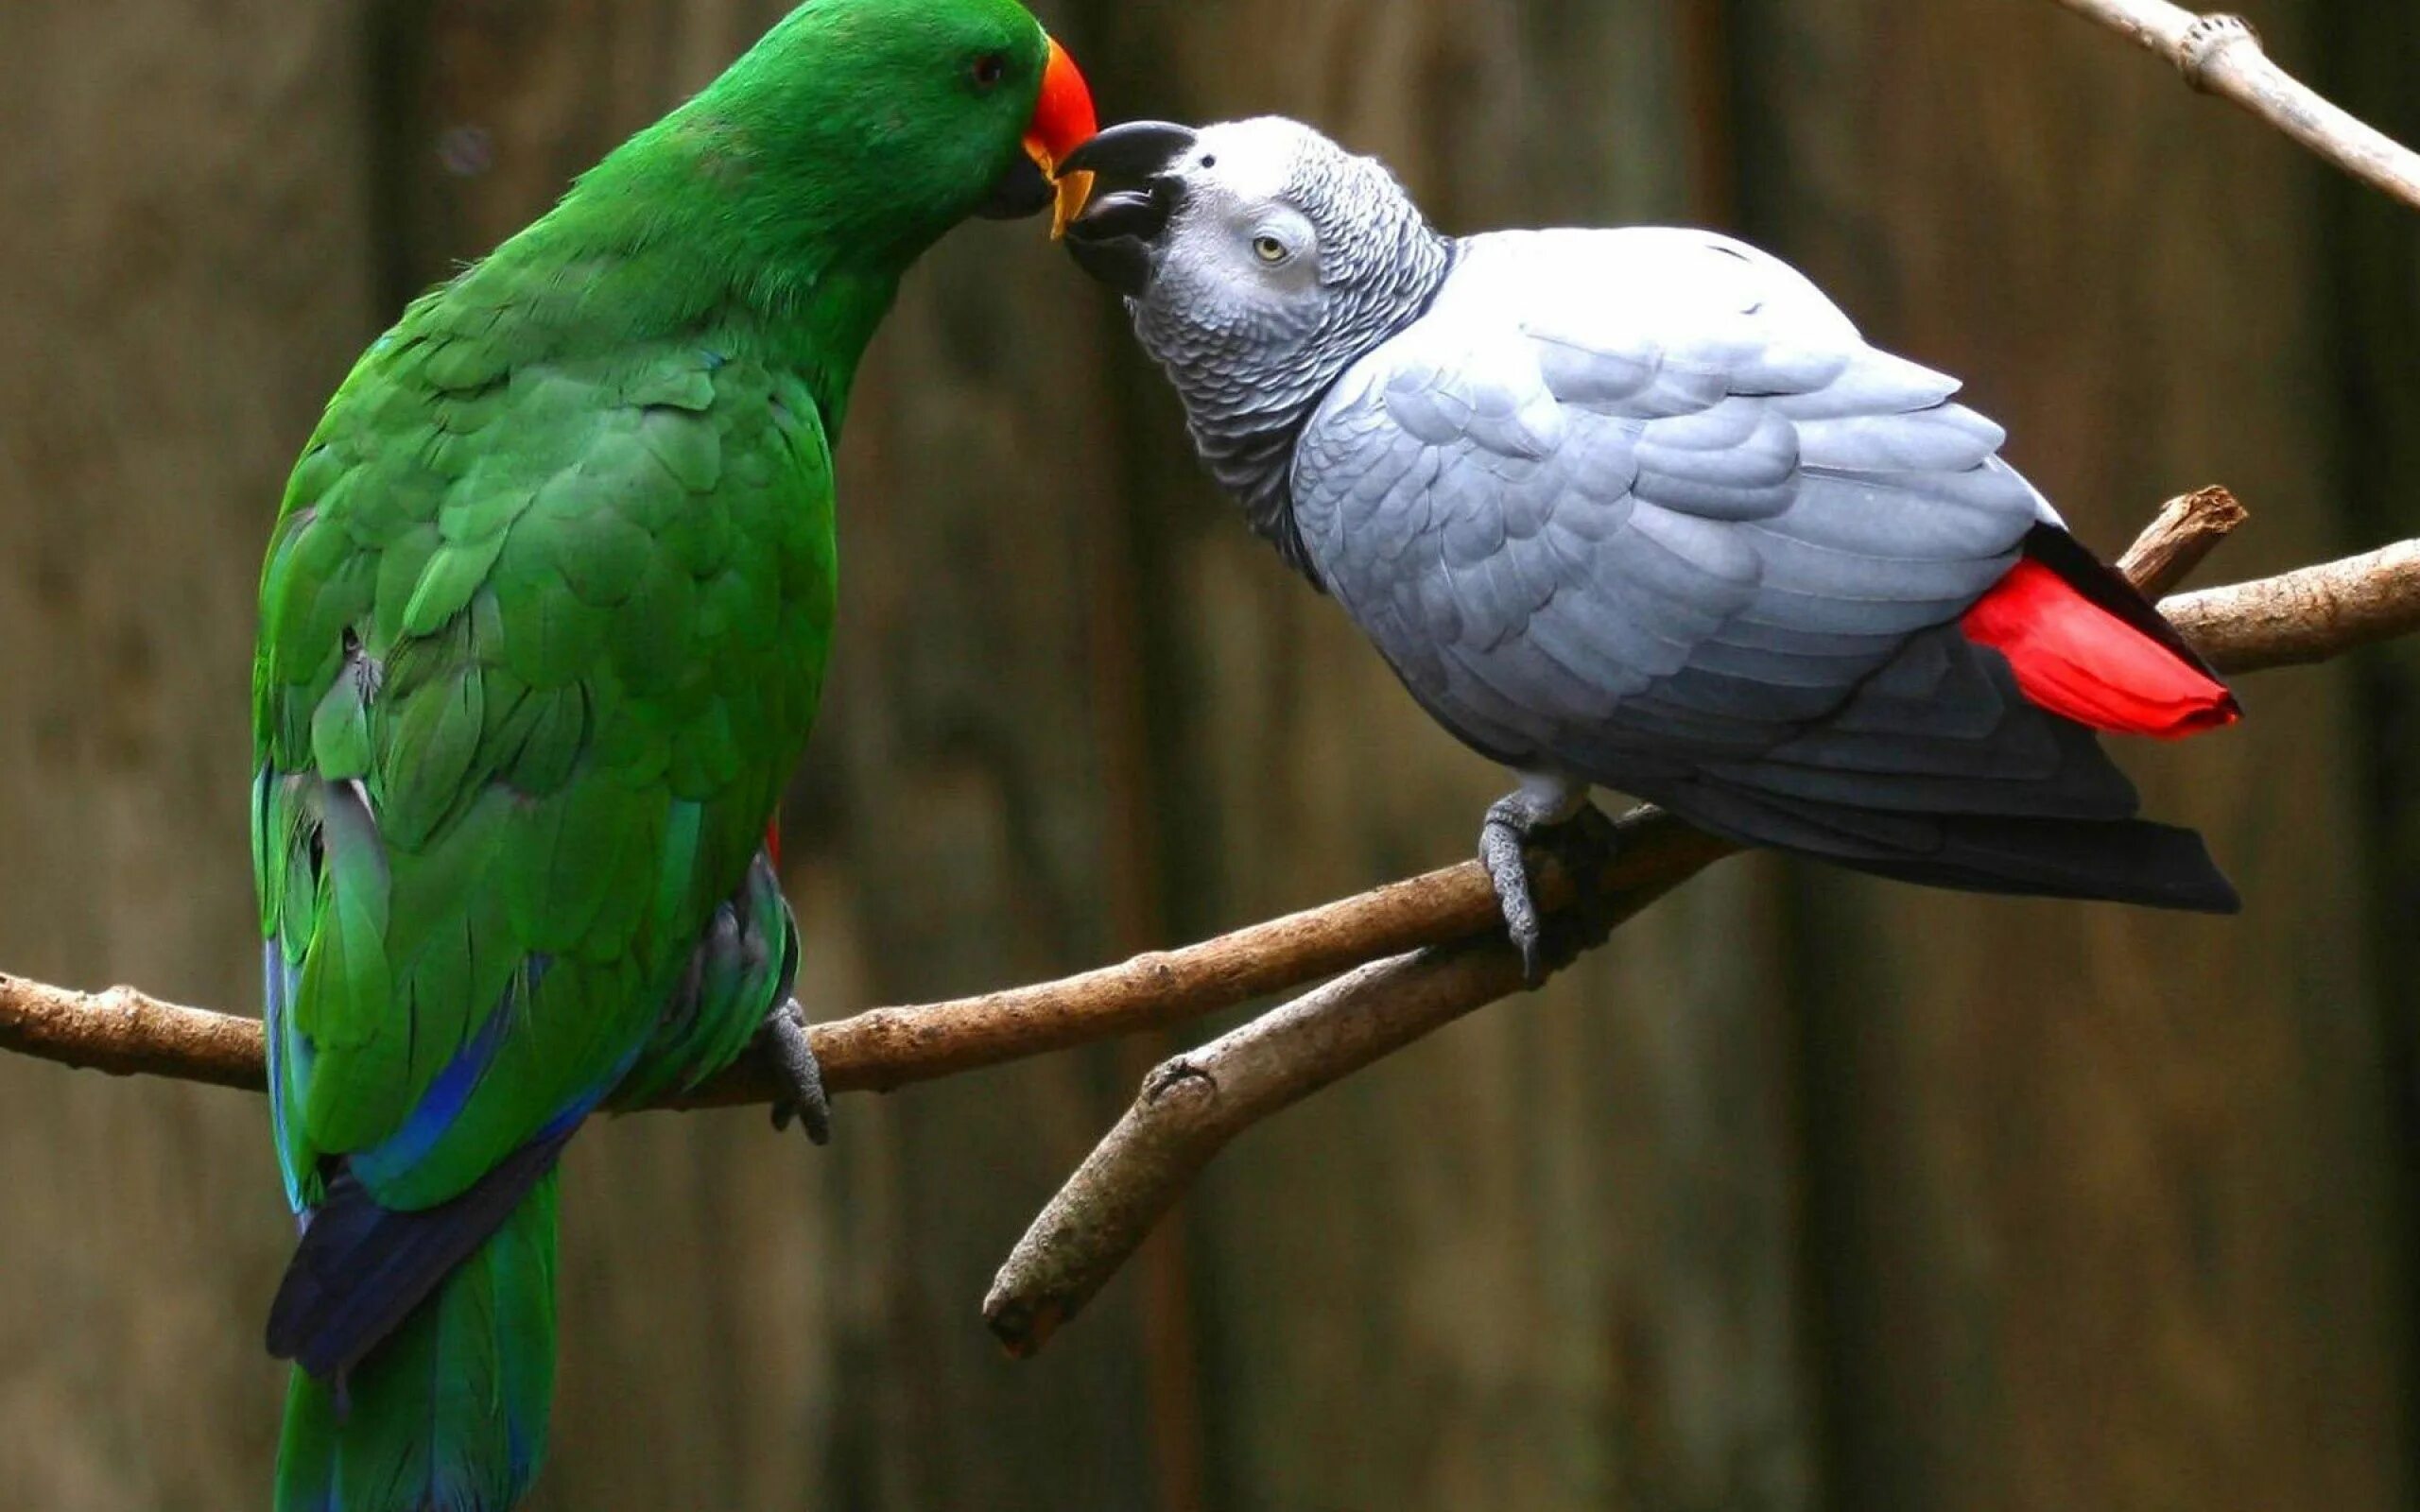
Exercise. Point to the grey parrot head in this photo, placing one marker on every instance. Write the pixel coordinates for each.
(1259, 260)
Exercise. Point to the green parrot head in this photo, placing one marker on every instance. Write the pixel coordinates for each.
(865, 129)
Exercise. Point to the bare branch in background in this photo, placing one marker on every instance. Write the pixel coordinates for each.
(2222, 55)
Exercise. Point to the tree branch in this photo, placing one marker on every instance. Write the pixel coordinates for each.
(2296, 617)
(1191, 1105)
(125, 1031)
(2307, 615)
(2222, 55)
(127, 1034)
(1445, 919)
(2180, 537)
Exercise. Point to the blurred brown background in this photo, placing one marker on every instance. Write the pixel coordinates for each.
(1809, 1192)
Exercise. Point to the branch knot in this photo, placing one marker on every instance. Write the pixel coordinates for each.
(2206, 41)
(1182, 1077)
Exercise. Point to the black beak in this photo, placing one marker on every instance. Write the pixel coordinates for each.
(1022, 191)
(1134, 150)
(1117, 238)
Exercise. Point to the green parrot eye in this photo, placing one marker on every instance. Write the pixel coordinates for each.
(990, 69)
(1270, 250)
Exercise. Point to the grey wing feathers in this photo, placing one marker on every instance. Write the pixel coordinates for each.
(1642, 507)
(1633, 497)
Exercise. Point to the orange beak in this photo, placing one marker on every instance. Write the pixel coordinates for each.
(1063, 120)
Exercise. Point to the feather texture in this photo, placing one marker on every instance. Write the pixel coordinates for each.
(1642, 507)
(2098, 665)
(544, 624)
(450, 1413)
(512, 771)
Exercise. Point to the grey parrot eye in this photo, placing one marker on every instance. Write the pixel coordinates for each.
(1270, 250)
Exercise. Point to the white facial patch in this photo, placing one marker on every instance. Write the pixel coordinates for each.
(1252, 160)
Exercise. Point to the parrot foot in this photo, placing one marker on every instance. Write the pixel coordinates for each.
(1582, 840)
(785, 1044)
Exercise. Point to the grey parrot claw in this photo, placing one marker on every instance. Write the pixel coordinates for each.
(785, 1043)
(1584, 844)
(1500, 836)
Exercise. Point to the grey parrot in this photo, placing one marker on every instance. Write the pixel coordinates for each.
(1639, 509)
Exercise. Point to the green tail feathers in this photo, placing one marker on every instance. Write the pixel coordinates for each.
(449, 1412)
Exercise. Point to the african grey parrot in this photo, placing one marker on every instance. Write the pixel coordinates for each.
(1639, 507)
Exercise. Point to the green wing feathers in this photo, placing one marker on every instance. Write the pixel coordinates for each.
(541, 638)
(541, 642)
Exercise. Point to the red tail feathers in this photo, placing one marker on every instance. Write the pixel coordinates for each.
(2075, 658)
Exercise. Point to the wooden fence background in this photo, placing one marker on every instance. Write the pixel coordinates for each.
(1807, 1193)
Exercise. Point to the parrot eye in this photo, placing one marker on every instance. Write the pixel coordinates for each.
(1270, 250)
(990, 69)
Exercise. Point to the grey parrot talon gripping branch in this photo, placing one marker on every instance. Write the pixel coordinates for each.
(1522, 831)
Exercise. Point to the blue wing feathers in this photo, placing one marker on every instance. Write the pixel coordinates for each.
(450, 1091)
(361, 1269)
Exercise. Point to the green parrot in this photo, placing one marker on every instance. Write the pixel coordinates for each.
(543, 622)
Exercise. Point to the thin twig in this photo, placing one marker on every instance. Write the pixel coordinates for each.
(1191, 1106)
(2187, 529)
(2222, 55)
